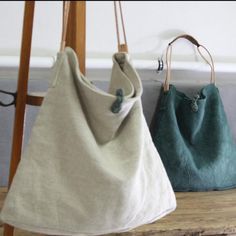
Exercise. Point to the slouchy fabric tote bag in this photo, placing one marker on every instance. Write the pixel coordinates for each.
(192, 135)
(90, 166)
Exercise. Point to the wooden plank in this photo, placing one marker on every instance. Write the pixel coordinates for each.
(22, 88)
(201, 213)
(76, 32)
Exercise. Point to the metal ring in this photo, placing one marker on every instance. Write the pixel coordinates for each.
(11, 103)
(160, 65)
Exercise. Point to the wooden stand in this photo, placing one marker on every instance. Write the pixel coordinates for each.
(75, 39)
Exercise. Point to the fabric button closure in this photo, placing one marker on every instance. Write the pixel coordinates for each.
(116, 106)
(194, 105)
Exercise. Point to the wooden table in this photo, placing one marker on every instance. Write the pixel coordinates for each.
(207, 213)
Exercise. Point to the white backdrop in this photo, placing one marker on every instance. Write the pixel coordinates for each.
(150, 25)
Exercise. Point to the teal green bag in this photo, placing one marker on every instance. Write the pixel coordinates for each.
(192, 135)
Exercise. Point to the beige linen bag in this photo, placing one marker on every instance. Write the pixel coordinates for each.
(90, 166)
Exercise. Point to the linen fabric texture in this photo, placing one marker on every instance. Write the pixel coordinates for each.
(194, 140)
(88, 170)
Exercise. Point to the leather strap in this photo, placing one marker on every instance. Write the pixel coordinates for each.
(37, 100)
(66, 9)
(195, 42)
(121, 47)
(188, 37)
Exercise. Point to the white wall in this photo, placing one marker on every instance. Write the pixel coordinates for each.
(150, 25)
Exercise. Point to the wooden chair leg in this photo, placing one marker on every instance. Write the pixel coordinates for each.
(76, 31)
(8, 230)
(21, 96)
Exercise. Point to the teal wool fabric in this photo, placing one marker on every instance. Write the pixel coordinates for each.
(194, 141)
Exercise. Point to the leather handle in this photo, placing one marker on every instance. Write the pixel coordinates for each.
(188, 37)
(195, 42)
(66, 9)
(122, 47)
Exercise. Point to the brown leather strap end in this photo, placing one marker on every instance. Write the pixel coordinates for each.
(123, 48)
(34, 100)
(188, 37)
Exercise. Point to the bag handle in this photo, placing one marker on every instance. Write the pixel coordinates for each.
(195, 42)
(121, 47)
(66, 10)
(188, 37)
